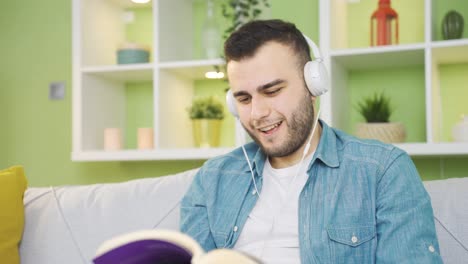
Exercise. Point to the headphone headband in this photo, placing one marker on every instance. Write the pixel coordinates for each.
(314, 48)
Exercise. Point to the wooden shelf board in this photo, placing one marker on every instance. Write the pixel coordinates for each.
(450, 51)
(380, 57)
(194, 69)
(126, 72)
(435, 149)
(413, 149)
(159, 154)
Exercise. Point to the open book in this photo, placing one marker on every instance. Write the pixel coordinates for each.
(158, 246)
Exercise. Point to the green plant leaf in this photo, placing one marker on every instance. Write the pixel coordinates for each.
(206, 108)
(241, 11)
(376, 108)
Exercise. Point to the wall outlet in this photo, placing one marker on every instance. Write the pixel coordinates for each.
(56, 90)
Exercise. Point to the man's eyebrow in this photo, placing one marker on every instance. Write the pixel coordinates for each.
(240, 93)
(261, 87)
(270, 84)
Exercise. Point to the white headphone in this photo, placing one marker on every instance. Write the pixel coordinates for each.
(315, 75)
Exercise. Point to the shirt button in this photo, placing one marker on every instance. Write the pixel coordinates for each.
(431, 248)
(254, 192)
(354, 239)
(235, 229)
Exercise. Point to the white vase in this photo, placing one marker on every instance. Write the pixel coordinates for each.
(385, 132)
(211, 34)
(460, 130)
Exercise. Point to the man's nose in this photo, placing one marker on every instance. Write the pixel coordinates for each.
(260, 109)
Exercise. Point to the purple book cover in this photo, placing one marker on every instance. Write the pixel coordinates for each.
(146, 252)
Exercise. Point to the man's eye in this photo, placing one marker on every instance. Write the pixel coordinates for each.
(273, 91)
(243, 100)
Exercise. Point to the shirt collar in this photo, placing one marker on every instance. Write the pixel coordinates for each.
(327, 149)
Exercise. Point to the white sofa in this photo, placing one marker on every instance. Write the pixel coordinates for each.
(66, 224)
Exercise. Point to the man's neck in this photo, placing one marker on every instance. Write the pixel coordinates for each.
(294, 158)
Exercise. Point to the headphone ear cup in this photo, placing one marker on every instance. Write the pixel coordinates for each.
(231, 104)
(316, 77)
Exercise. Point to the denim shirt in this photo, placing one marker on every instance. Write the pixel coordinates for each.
(363, 202)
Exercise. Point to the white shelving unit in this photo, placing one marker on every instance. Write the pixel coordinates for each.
(430, 53)
(100, 85)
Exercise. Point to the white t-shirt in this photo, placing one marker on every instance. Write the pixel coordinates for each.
(271, 230)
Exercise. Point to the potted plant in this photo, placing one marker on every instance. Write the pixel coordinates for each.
(239, 12)
(377, 110)
(206, 114)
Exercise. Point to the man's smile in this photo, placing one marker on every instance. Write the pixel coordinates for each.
(271, 128)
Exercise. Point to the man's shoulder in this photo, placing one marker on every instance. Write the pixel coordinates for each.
(365, 148)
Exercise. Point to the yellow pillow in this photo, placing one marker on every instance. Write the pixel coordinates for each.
(12, 186)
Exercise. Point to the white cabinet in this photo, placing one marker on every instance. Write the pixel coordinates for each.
(419, 74)
(128, 96)
(416, 73)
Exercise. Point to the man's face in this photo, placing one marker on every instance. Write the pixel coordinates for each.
(273, 103)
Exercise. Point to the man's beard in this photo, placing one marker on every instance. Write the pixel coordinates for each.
(299, 129)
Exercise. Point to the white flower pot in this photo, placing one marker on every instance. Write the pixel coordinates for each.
(385, 132)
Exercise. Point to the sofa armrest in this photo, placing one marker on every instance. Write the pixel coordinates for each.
(450, 203)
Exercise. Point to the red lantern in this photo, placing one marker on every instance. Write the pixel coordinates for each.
(387, 22)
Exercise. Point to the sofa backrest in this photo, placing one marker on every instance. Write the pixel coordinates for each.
(67, 224)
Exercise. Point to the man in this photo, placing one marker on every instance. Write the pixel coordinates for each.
(339, 200)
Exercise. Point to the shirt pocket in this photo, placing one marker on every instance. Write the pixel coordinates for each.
(352, 244)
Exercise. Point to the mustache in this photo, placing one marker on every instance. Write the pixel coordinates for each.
(256, 124)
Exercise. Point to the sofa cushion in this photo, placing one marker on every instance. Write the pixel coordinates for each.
(450, 203)
(12, 186)
(67, 224)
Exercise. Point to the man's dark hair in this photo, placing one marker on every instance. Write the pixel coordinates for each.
(246, 40)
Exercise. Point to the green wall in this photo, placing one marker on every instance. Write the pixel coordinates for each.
(35, 132)
(35, 50)
(440, 10)
(405, 88)
(453, 94)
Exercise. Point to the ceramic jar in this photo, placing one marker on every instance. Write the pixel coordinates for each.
(452, 25)
(460, 130)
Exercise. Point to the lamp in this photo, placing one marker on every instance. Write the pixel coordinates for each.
(214, 75)
(141, 1)
(383, 17)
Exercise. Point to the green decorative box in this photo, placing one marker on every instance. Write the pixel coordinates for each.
(126, 56)
(132, 53)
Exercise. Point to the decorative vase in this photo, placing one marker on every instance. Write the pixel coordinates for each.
(145, 138)
(112, 139)
(206, 132)
(385, 132)
(452, 25)
(211, 34)
(384, 24)
(460, 130)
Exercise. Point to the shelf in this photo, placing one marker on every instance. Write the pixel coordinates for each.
(192, 69)
(101, 27)
(380, 57)
(434, 149)
(134, 155)
(130, 72)
(413, 149)
(450, 51)
(348, 22)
